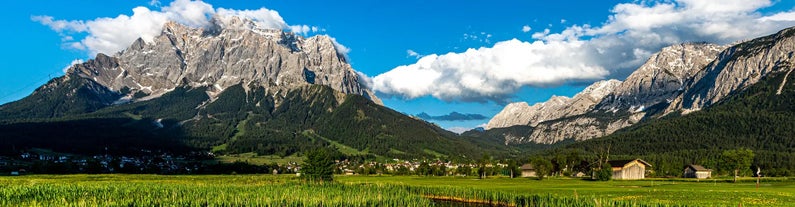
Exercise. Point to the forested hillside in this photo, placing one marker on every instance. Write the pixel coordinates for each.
(242, 120)
(756, 118)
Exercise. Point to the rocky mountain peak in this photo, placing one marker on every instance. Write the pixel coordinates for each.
(679, 78)
(736, 68)
(662, 77)
(599, 89)
(231, 51)
(555, 108)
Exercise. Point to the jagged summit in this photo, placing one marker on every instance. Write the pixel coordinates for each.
(555, 108)
(231, 51)
(680, 78)
(662, 77)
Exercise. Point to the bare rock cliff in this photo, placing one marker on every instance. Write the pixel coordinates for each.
(555, 108)
(233, 51)
(657, 82)
(736, 68)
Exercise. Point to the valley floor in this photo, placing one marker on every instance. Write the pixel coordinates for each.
(287, 190)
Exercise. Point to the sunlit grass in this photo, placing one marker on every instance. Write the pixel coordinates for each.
(288, 190)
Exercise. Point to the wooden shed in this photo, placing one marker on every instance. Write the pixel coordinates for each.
(528, 170)
(697, 171)
(629, 169)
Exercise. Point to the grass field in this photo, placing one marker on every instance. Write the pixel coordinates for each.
(287, 190)
(772, 192)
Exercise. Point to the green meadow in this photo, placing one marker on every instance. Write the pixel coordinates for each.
(689, 192)
(287, 190)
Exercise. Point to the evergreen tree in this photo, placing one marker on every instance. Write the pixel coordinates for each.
(318, 166)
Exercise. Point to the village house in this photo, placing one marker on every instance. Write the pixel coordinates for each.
(629, 169)
(528, 170)
(697, 171)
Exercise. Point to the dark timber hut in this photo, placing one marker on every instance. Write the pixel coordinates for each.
(697, 171)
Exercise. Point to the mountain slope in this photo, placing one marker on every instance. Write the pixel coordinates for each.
(681, 78)
(232, 52)
(756, 117)
(555, 108)
(67, 95)
(229, 88)
(736, 68)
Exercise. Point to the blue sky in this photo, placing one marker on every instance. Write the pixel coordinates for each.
(562, 60)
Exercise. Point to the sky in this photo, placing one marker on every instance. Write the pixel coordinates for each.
(432, 57)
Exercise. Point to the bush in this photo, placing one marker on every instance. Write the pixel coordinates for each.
(606, 173)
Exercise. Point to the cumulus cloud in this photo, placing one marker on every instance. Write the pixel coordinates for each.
(579, 53)
(526, 28)
(412, 53)
(112, 34)
(304, 29)
(74, 62)
(60, 25)
(342, 49)
(154, 3)
(489, 73)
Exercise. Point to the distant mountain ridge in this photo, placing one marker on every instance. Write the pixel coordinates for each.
(678, 79)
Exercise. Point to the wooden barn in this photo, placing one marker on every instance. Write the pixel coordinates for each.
(697, 171)
(528, 170)
(629, 169)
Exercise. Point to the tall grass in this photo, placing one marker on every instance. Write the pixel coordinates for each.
(497, 198)
(266, 190)
(182, 193)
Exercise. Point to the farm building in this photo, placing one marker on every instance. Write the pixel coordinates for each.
(629, 169)
(697, 171)
(528, 170)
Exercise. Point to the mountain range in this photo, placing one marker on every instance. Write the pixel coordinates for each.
(678, 80)
(230, 88)
(234, 87)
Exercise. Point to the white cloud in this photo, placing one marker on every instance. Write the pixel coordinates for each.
(482, 37)
(341, 48)
(190, 13)
(488, 73)
(526, 28)
(74, 62)
(263, 17)
(304, 29)
(60, 25)
(412, 53)
(539, 35)
(613, 49)
(459, 130)
(154, 3)
(783, 16)
(110, 35)
(75, 45)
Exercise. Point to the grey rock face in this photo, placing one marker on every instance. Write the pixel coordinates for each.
(736, 68)
(659, 81)
(234, 51)
(556, 107)
(661, 78)
(680, 78)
